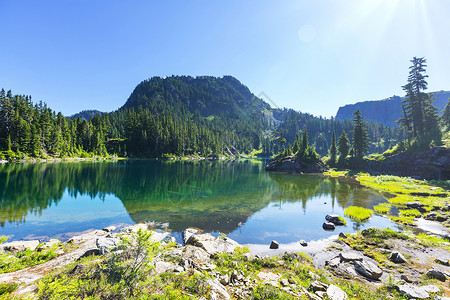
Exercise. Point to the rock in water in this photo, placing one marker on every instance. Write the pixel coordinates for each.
(397, 257)
(328, 226)
(335, 293)
(303, 243)
(274, 245)
(334, 219)
(368, 269)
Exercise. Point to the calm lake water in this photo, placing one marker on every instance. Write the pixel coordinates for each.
(238, 198)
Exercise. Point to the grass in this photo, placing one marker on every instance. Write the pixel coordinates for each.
(25, 259)
(403, 220)
(410, 213)
(382, 208)
(402, 185)
(358, 213)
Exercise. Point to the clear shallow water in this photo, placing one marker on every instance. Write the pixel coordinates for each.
(238, 198)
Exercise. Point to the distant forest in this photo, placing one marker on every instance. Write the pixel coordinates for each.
(174, 116)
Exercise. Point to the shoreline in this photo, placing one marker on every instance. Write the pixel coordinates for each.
(336, 256)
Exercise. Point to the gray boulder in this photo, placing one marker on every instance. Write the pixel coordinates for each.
(213, 245)
(188, 233)
(351, 256)
(437, 274)
(335, 293)
(397, 257)
(328, 226)
(274, 245)
(107, 244)
(413, 292)
(368, 269)
(218, 291)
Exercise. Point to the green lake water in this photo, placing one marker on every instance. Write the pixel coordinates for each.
(238, 198)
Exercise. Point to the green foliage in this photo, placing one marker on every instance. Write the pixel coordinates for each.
(358, 213)
(266, 291)
(360, 136)
(382, 208)
(410, 213)
(343, 147)
(7, 288)
(419, 118)
(28, 258)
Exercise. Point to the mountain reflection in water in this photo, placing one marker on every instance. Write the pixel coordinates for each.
(234, 197)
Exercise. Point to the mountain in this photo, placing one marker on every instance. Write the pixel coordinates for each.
(86, 114)
(208, 95)
(386, 111)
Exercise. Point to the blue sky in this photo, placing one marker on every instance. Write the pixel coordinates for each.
(313, 56)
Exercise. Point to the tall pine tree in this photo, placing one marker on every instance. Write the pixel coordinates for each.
(360, 136)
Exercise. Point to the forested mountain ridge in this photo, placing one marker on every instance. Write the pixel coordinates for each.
(386, 111)
(177, 116)
(206, 94)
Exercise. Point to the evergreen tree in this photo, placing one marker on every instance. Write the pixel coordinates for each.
(445, 118)
(343, 147)
(419, 114)
(333, 150)
(360, 136)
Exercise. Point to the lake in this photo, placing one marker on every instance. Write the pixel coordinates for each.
(237, 198)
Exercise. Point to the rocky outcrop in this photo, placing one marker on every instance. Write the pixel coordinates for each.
(385, 111)
(293, 165)
(433, 163)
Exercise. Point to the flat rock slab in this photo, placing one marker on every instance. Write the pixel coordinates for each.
(19, 246)
(351, 256)
(417, 292)
(213, 245)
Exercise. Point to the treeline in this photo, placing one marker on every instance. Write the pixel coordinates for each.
(28, 129)
(320, 131)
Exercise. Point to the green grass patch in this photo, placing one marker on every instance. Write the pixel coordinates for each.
(382, 208)
(358, 213)
(410, 213)
(402, 185)
(403, 220)
(7, 288)
(25, 259)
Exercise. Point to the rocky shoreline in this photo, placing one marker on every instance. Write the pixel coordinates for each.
(410, 269)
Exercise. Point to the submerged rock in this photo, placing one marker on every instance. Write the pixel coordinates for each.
(335, 219)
